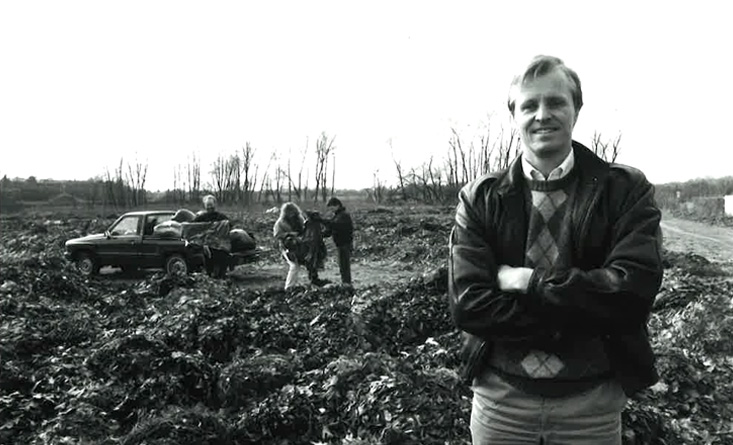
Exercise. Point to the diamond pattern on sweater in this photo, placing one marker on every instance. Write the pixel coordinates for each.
(543, 251)
(548, 202)
(539, 364)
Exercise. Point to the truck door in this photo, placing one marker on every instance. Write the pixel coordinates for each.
(150, 247)
(121, 247)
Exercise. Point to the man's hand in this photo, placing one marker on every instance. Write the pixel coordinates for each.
(514, 279)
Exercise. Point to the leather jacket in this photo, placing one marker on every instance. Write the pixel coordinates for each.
(609, 292)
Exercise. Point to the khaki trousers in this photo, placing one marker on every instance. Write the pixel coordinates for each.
(504, 415)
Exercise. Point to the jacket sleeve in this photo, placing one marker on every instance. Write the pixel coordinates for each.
(619, 295)
(477, 304)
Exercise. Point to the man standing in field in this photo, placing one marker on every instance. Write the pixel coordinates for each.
(341, 229)
(554, 267)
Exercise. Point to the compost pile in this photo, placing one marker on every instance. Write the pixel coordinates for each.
(201, 361)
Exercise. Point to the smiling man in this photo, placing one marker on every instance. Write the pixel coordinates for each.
(554, 267)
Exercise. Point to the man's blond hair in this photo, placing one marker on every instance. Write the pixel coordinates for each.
(540, 66)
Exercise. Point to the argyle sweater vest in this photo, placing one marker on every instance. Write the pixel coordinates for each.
(559, 366)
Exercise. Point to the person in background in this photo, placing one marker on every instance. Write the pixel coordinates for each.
(288, 230)
(216, 259)
(341, 229)
(210, 214)
(313, 247)
(553, 270)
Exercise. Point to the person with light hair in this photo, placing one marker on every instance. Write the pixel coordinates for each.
(217, 259)
(287, 230)
(209, 214)
(554, 266)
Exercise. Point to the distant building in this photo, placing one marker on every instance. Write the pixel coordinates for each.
(729, 205)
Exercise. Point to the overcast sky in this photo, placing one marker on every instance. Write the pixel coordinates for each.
(83, 84)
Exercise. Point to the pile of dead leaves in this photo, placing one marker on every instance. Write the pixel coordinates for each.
(196, 360)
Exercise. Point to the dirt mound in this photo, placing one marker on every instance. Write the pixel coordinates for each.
(255, 376)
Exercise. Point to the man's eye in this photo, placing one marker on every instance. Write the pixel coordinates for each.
(556, 103)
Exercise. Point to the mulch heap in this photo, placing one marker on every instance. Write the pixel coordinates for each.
(202, 361)
(196, 360)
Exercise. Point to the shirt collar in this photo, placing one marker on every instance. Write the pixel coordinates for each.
(559, 172)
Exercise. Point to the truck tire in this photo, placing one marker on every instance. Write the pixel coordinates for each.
(87, 264)
(175, 265)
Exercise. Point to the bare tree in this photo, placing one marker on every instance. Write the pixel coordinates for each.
(484, 161)
(376, 194)
(193, 173)
(266, 188)
(324, 147)
(276, 190)
(249, 171)
(607, 150)
(333, 173)
(218, 177)
(126, 187)
(464, 164)
(401, 179)
(178, 194)
(295, 184)
(136, 175)
(506, 149)
(187, 180)
(233, 178)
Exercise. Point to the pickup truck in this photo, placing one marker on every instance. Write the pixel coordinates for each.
(130, 243)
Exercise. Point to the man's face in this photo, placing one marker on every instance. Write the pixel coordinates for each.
(544, 115)
(210, 206)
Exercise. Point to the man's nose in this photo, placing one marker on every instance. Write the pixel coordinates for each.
(542, 113)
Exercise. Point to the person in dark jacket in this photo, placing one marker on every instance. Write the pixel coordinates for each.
(553, 270)
(209, 214)
(314, 248)
(216, 262)
(341, 229)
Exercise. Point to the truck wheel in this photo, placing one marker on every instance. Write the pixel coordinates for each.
(87, 264)
(175, 265)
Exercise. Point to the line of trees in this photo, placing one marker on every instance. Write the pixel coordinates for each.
(238, 178)
(438, 181)
(119, 188)
(673, 194)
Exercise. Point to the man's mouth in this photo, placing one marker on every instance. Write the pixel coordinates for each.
(544, 130)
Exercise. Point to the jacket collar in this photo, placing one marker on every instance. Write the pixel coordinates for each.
(591, 169)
